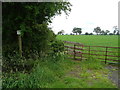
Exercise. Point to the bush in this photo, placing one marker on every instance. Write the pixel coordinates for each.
(45, 71)
(57, 46)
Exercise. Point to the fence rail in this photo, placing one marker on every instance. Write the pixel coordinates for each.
(79, 50)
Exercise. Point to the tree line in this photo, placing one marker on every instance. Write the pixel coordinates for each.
(96, 30)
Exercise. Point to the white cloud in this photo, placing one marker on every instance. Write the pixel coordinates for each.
(88, 14)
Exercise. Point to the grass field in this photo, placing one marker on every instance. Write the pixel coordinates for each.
(95, 40)
(99, 40)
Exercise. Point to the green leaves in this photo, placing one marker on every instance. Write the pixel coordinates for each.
(32, 19)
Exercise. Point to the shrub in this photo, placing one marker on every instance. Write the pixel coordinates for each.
(57, 46)
(45, 71)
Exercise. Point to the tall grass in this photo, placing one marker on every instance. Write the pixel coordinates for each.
(64, 73)
(45, 72)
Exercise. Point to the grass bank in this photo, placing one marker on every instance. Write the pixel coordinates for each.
(60, 72)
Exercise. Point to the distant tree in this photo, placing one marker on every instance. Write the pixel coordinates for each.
(116, 31)
(61, 32)
(75, 30)
(111, 33)
(106, 32)
(86, 33)
(91, 34)
(97, 30)
(79, 30)
(71, 34)
(102, 32)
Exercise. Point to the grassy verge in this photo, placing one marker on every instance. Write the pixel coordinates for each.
(45, 72)
(60, 72)
(85, 74)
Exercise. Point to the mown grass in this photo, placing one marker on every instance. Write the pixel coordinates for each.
(96, 40)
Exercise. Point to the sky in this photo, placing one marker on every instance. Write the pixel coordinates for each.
(88, 14)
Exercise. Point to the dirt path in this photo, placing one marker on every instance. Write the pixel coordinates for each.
(113, 75)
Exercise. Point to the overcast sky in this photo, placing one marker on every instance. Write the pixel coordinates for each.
(88, 14)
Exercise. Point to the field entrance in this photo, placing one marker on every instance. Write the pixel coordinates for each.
(78, 51)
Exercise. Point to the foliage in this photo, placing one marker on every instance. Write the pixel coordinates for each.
(77, 30)
(88, 33)
(45, 71)
(57, 46)
(32, 19)
(97, 30)
(116, 30)
(49, 74)
(104, 32)
(61, 32)
(111, 34)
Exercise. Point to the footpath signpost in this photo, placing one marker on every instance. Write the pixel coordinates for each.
(20, 42)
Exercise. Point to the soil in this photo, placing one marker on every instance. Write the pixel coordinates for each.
(113, 74)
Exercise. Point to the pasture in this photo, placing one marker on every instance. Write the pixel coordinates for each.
(96, 40)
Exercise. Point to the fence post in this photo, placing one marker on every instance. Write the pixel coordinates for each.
(81, 52)
(74, 51)
(89, 51)
(106, 55)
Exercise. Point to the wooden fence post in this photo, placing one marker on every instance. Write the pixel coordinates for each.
(81, 52)
(20, 45)
(89, 51)
(74, 52)
(106, 55)
(67, 50)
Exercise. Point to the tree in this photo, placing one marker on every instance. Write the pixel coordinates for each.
(97, 30)
(79, 30)
(32, 19)
(116, 31)
(91, 34)
(75, 30)
(61, 32)
(102, 32)
(106, 32)
(111, 34)
(86, 33)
